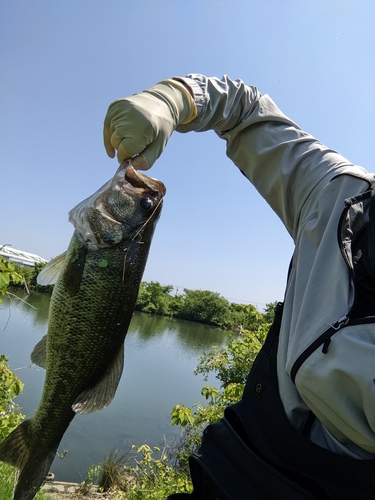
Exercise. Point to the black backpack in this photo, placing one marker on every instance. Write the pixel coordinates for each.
(254, 452)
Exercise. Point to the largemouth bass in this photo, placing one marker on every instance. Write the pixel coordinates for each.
(91, 307)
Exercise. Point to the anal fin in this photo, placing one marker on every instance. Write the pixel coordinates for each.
(101, 394)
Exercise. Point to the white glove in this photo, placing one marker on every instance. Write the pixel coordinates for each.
(142, 124)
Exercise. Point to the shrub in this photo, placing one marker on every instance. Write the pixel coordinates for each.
(232, 365)
(205, 307)
(10, 387)
(8, 275)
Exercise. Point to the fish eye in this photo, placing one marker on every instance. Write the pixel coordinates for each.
(146, 203)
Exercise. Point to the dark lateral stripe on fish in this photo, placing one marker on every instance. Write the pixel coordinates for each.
(72, 277)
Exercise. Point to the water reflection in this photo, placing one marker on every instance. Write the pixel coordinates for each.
(192, 337)
(24, 302)
(160, 357)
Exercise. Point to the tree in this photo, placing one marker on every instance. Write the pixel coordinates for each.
(270, 311)
(244, 316)
(154, 298)
(202, 306)
(205, 307)
(8, 275)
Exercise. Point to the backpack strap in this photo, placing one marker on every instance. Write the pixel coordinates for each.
(356, 237)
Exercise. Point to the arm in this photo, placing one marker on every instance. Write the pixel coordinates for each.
(284, 163)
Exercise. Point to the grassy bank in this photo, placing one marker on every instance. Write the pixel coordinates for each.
(7, 474)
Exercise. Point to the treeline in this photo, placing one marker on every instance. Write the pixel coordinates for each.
(202, 306)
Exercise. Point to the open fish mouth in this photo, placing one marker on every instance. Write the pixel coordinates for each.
(131, 183)
(136, 179)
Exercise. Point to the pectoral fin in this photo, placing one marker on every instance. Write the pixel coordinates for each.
(39, 353)
(49, 274)
(99, 396)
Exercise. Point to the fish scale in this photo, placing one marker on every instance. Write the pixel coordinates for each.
(95, 292)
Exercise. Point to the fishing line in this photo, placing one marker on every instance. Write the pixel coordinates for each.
(136, 234)
(11, 303)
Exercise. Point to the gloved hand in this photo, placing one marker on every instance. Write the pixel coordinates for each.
(142, 124)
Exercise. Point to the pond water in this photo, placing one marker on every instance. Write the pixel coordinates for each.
(160, 356)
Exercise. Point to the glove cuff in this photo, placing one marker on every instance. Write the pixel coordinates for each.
(178, 98)
(190, 105)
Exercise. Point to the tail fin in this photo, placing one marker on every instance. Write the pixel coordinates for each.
(23, 452)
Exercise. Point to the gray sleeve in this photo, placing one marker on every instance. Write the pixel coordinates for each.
(285, 164)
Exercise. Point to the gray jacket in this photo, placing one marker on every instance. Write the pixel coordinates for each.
(303, 182)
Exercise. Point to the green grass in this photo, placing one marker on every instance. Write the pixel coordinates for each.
(7, 484)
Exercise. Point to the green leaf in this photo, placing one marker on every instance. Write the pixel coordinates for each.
(16, 278)
(181, 415)
(210, 392)
(4, 280)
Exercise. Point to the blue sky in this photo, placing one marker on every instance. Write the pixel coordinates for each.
(63, 63)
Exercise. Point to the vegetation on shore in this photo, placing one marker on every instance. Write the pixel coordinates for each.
(8, 275)
(153, 474)
(10, 387)
(157, 473)
(201, 306)
(28, 277)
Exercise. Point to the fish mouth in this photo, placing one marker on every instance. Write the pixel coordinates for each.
(126, 178)
(138, 180)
